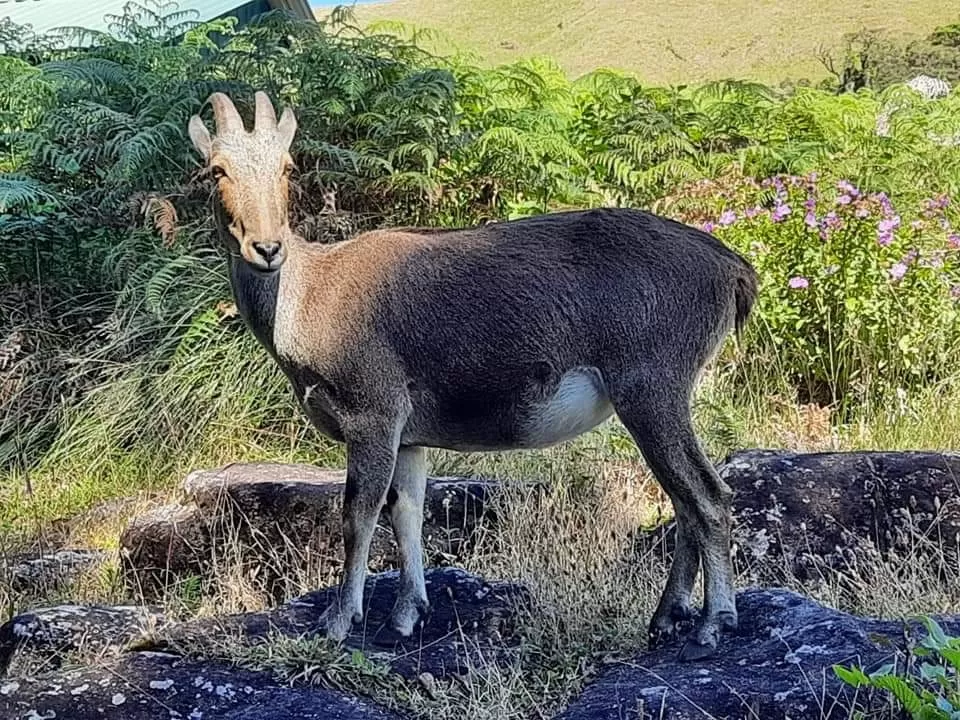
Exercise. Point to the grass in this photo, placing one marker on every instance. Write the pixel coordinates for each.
(678, 41)
(592, 591)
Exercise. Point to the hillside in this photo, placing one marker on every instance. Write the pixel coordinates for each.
(667, 42)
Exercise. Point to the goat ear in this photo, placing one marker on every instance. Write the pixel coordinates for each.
(200, 136)
(287, 128)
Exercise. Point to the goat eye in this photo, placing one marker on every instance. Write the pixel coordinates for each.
(217, 172)
(288, 170)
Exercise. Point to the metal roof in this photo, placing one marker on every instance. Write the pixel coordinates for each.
(45, 15)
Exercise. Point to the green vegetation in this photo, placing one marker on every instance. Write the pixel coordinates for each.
(141, 370)
(931, 690)
(678, 41)
(123, 365)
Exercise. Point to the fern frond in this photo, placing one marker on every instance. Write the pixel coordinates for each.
(19, 192)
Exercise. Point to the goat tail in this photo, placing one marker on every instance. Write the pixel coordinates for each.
(745, 295)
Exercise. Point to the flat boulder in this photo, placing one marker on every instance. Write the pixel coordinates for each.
(47, 638)
(472, 623)
(150, 685)
(777, 665)
(275, 518)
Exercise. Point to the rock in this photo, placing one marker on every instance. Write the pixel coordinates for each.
(154, 686)
(822, 517)
(48, 573)
(41, 640)
(471, 624)
(777, 665)
(930, 88)
(275, 518)
(166, 545)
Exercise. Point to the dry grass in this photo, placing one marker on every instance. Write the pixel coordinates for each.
(677, 41)
(592, 593)
(573, 546)
(592, 596)
(590, 602)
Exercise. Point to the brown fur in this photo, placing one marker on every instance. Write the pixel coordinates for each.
(510, 335)
(342, 280)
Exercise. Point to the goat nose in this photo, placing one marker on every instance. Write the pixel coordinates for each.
(267, 250)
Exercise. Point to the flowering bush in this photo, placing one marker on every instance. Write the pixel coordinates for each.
(858, 298)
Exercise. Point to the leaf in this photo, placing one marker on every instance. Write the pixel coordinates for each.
(853, 675)
(951, 655)
(945, 705)
(882, 671)
(937, 637)
(900, 690)
(932, 672)
(22, 192)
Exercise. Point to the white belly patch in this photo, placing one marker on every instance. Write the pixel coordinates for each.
(579, 404)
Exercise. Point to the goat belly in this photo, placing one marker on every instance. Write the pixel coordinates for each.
(509, 413)
(578, 404)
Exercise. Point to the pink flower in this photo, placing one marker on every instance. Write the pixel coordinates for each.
(889, 224)
(799, 283)
(708, 226)
(752, 212)
(780, 212)
(810, 219)
(953, 240)
(884, 238)
(727, 218)
(844, 200)
(898, 271)
(847, 188)
(955, 292)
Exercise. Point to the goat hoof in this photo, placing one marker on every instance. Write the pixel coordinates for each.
(702, 642)
(407, 614)
(337, 623)
(695, 649)
(727, 620)
(667, 626)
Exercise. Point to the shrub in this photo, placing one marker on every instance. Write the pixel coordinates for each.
(859, 298)
(396, 136)
(946, 35)
(870, 59)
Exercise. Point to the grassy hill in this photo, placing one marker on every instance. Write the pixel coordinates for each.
(665, 42)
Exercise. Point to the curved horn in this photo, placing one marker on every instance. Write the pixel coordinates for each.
(226, 115)
(266, 118)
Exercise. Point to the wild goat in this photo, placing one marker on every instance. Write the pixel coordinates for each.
(516, 334)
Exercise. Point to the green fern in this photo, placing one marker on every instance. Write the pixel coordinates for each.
(20, 192)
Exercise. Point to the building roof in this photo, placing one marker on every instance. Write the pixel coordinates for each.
(45, 15)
